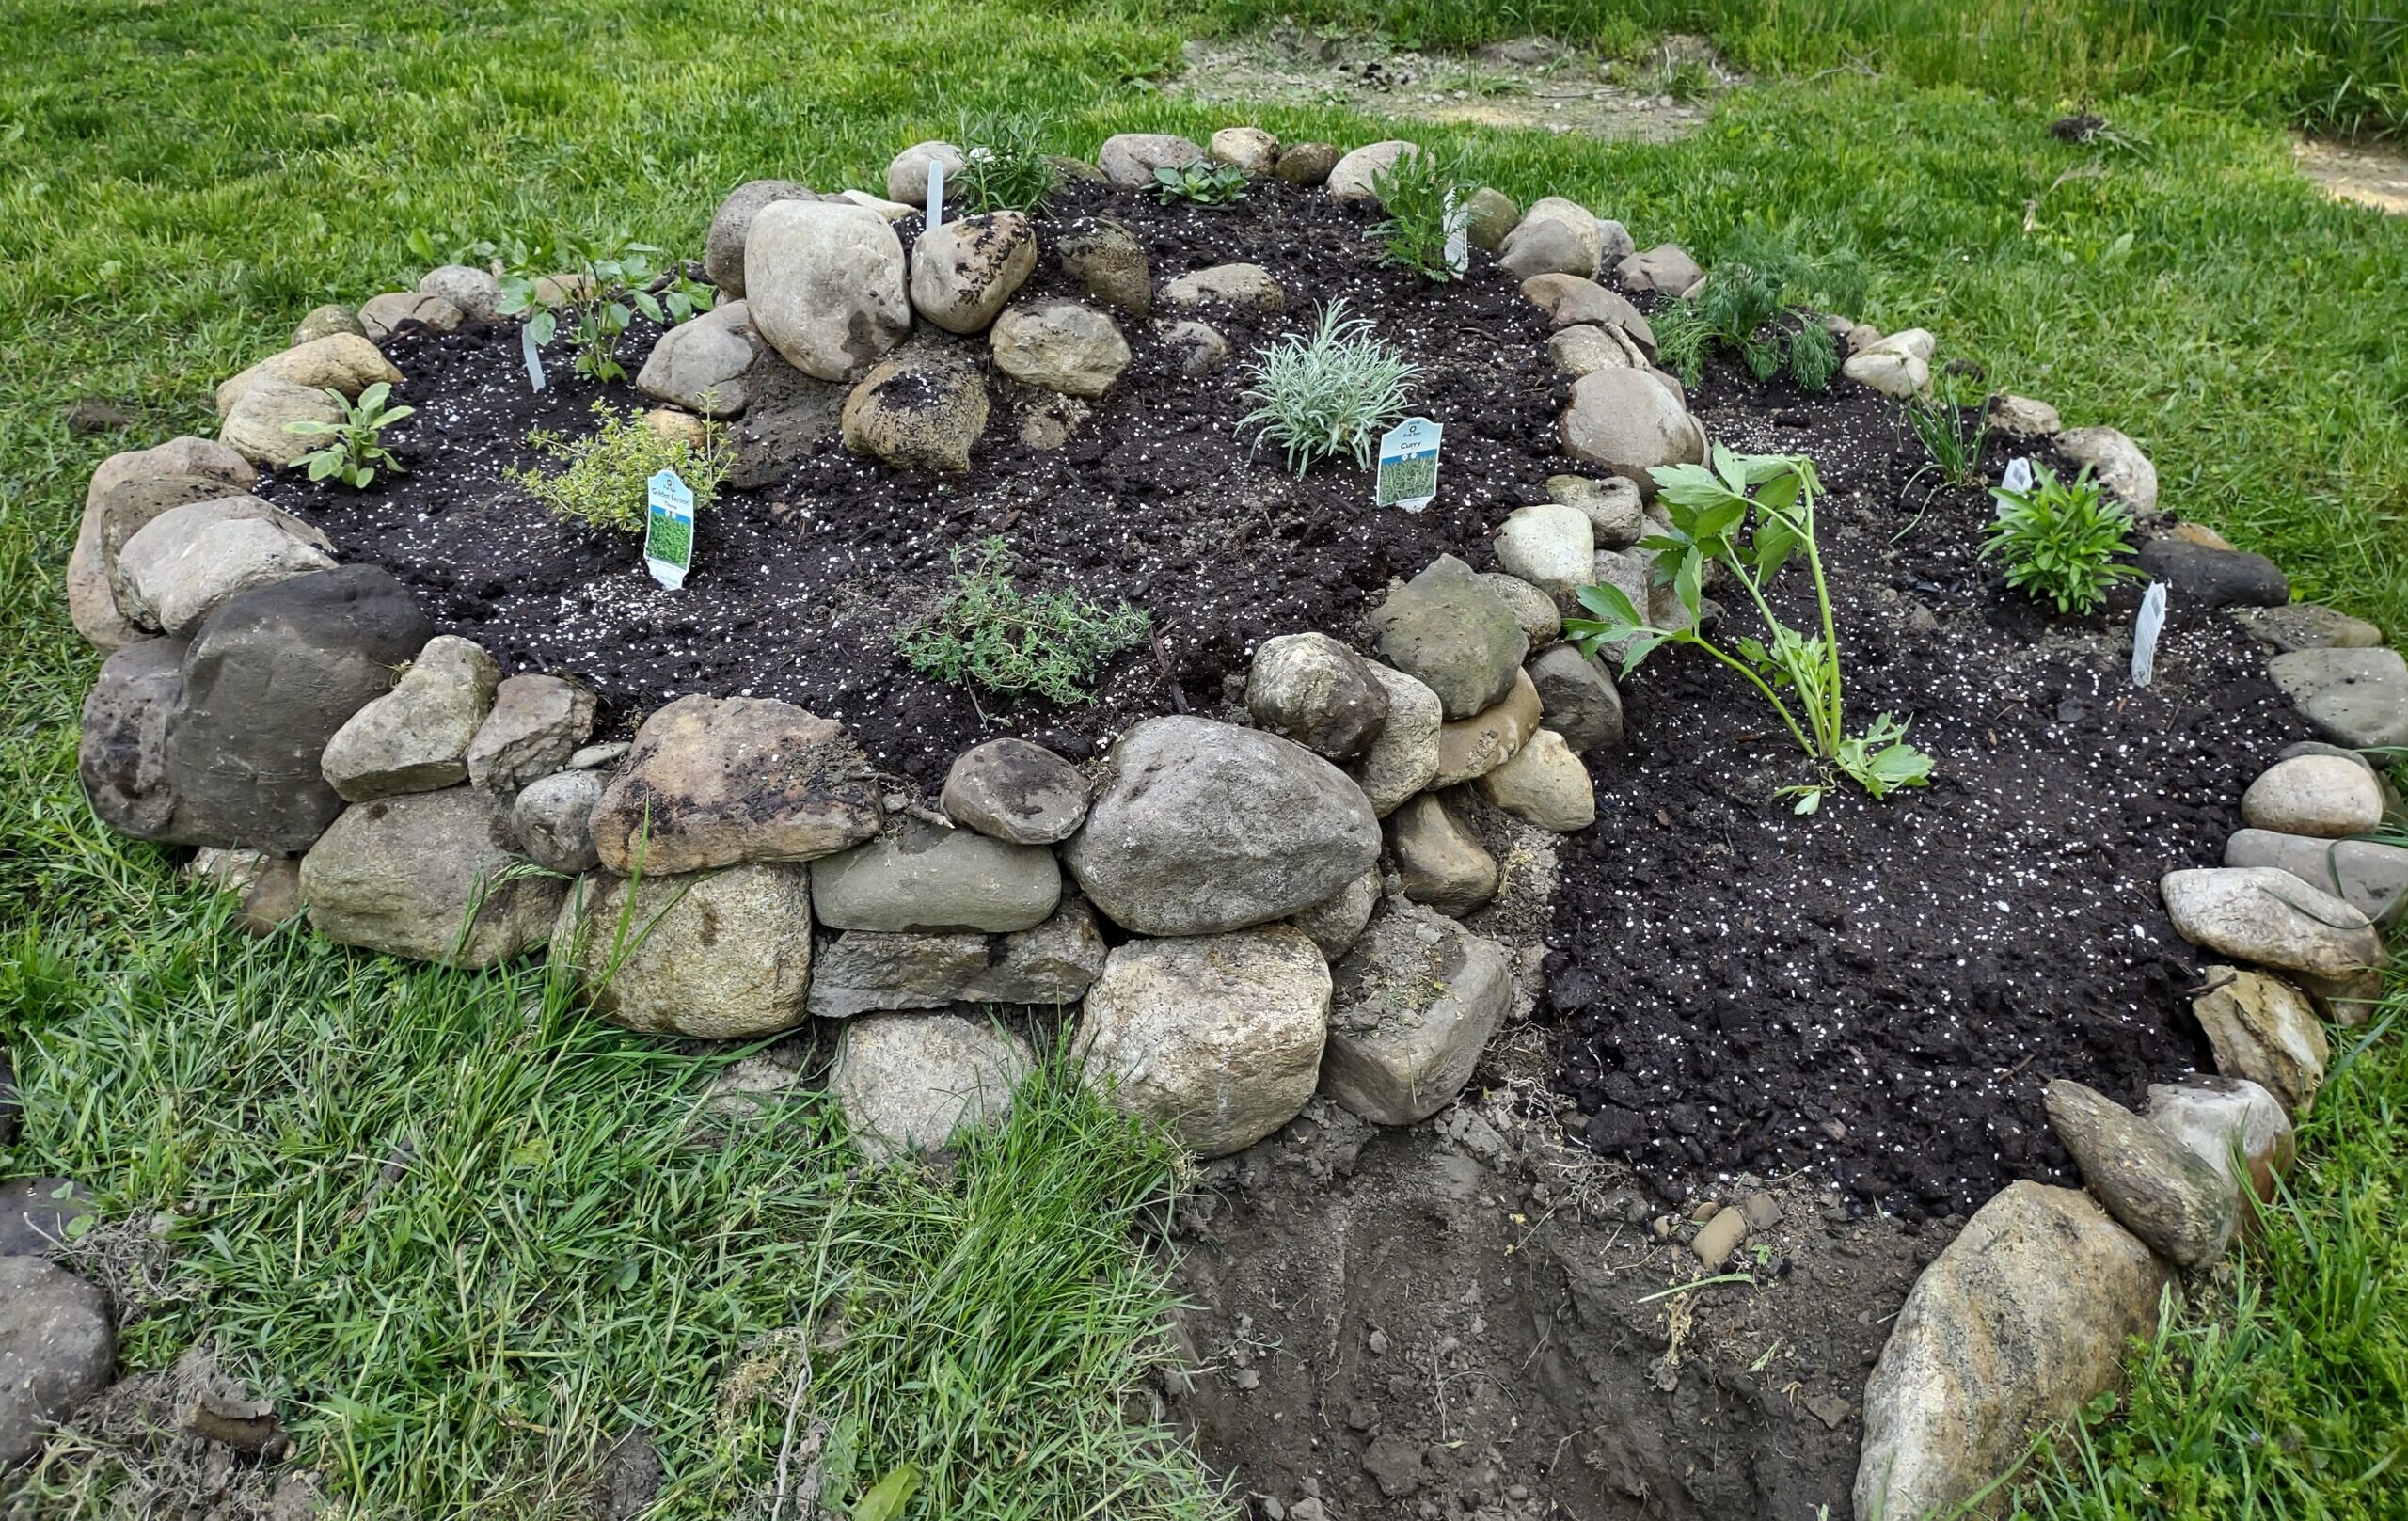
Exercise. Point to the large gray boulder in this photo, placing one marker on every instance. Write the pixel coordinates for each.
(186, 562)
(713, 780)
(1012, 790)
(477, 293)
(433, 876)
(1312, 690)
(2326, 795)
(2262, 915)
(1448, 631)
(1413, 1006)
(1629, 423)
(714, 955)
(269, 679)
(825, 284)
(56, 1351)
(121, 754)
(1218, 1036)
(340, 361)
(2019, 1322)
(259, 423)
(126, 493)
(415, 738)
(2161, 1191)
(923, 878)
(907, 172)
(1554, 237)
(704, 364)
(731, 225)
(2357, 698)
(1355, 177)
(910, 1082)
(964, 271)
(535, 723)
(1201, 827)
(2116, 462)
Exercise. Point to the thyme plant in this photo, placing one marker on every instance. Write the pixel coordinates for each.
(984, 631)
(602, 479)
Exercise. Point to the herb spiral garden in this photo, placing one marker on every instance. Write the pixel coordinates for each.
(1735, 763)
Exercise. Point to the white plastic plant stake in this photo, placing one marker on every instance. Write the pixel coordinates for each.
(1458, 223)
(2145, 631)
(2017, 476)
(1408, 476)
(936, 193)
(533, 354)
(669, 530)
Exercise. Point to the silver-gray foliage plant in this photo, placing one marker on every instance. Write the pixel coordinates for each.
(1328, 394)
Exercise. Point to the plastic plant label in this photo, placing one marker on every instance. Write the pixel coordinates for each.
(936, 193)
(1458, 225)
(669, 530)
(2018, 475)
(533, 355)
(2145, 631)
(1408, 469)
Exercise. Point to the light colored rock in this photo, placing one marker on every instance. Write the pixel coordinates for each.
(2177, 1205)
(1440, 862)
(1218, 1035)
(1473, 747)
(1554, 237)
(1901, 376)
(326, 321)
(1616, 512)
(1337, 921)
(1543, 783)
(1199, 345)
(268, 888)
(188, 560)
(1250, 149)
(917, 412)
(1015, 791)
(1448, 631)
(416, 738)
(2019, 1322)
(906, 175)
(536, 724)
(909, 1082)
(965, 271)
(1352, 177)
(1720, 1237)
(1912, 343)
(713, 780)
(1240, 285)
(2263, 1030)
(1577, 700)
(1552, 546)
(1582, 350)
(2021, 417)
(1412, 1007)
(2116, 462)
(825, 285)
(2371, 878)
(702, 364)
(552, 819)
(475, 291)
(1105, 257)
(1406, 756)
(925, 878)
(1051, 965)
(2319, 795)
(1664, 268)
(259, 423)
(383, 316)
(2307, 625)
(56, 1351)
(2262, 915)
(606, 755)
(892, 211)
(1200, 827)
(341, 362)
(1628, 423)
(2357, 698)
(1534, 611)
(732, 224)
(2215, 1118)
(1312, 690)
(1129, 159)
(716, 954)
(1615, 242)
(1307, 165)
(1060, 345)
(430, 876)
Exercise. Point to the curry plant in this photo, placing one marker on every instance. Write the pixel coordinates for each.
(358, 451)
(1709, 508)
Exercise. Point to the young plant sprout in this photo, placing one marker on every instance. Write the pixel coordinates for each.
(1004, 170)
(1203, 183)
(1425, 205)
(1328, 394)
(1709, 508)
(598, 288)
(2059, 542)
(358, 449)
(985, 632)
(601, 480)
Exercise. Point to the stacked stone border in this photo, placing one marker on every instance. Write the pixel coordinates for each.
(1292, 882)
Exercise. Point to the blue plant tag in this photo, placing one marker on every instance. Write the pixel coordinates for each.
(669, 530)
(534, 355)
(1408, 468)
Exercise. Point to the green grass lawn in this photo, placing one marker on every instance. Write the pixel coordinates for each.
(562, 1257)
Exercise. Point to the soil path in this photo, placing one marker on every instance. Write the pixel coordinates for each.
(2369, 175)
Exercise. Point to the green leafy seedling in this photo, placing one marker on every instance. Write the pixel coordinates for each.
(2060, 542)
(1202, 183)
(357, 451)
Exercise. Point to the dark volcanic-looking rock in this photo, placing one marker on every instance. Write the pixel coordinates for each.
(56, 1351)
(2205, 576)
(267, 681)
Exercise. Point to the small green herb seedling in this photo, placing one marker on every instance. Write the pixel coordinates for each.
(1416, 192)
(603, 476)
(597, 290)
(358, 449)
(2059, 542)
(1708, 509)
(1004, 170)
(1328, 394)
(1953, 451)
(985, 632)
(1202, 183)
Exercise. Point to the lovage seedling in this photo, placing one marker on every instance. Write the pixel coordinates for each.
(358, 449)
(1709, 509)
(597, 290)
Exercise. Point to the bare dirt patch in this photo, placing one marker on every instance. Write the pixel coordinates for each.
(2369, 175)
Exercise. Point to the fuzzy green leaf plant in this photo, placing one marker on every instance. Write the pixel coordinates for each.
(357, 451)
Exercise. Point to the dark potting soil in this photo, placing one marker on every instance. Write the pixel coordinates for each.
(1159, 499)
(1871, 997)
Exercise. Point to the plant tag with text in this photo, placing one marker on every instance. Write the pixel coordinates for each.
(936, 193)
(669, 530)
(1408, 469)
